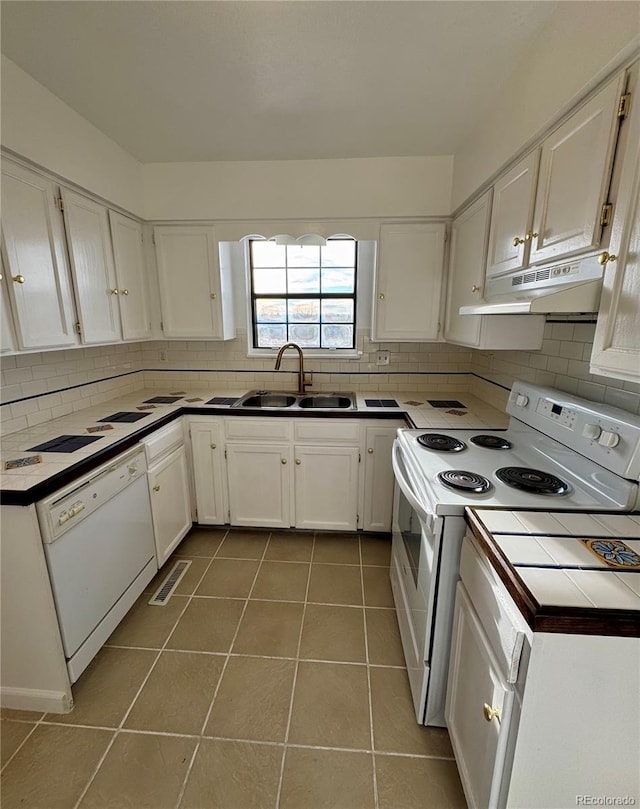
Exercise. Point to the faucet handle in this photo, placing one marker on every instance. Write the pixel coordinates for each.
(308, 379)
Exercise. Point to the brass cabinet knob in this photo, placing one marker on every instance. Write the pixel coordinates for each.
(213, 296)
(530, 235)
(490, 712)
(381, 296)
(475, 288)
(518, 241)
(213, 446)
(19, 279)
(603, 258)
(124, 291)
(298, 461)
(370, 450)
(283, 460)
(156, 488)
(114, 291)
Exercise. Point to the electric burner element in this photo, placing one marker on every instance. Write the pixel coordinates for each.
(491, 442)
(441, 443)
(532, 480)
(468, 482)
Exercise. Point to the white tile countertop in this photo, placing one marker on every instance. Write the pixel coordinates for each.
(476, 414)
(566, 572)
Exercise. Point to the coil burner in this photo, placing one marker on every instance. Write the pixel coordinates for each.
(532, 480)
(462, 480)
(491, 442)
(441, 443)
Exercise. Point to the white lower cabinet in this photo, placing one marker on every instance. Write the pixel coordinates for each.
(207, 451)
(259, 481)
(326, 487)
(170, 502)
(378, 477)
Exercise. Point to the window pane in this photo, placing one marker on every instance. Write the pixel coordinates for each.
(267, 254)
(306, 255)
(337, 310)
(339, 253)
(271, 336)
(269, 279)
(304, 280)
(306, 335)
(304, 311)
(338, 279)
(271, 310)
(337, 336)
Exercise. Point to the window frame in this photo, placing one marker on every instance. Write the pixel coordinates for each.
(327, 353)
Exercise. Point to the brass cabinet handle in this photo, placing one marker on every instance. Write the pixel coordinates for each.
(124, 291)
(19, 279)
(475, 288)
(156, 488)
(490, 712)
(370, 450)
(298, 461)
(213, 446)
(518, 241)
(530, 235)
(381, 296)
(603, 258)
(283, 460)
(114, 291)
(213, 296)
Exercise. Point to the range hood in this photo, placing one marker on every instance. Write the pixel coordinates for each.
(569, 288)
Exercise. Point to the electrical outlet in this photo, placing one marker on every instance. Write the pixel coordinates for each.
(382, 358)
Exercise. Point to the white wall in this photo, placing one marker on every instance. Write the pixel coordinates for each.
(300, 189)
(39, 126)
(580, 40)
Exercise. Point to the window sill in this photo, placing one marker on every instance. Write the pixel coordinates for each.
(320, 354)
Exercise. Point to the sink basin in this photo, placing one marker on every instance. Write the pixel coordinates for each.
(331, 401)
(267, 400)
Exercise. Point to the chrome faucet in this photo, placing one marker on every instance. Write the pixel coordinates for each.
(301, 380)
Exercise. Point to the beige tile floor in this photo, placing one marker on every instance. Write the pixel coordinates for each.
(274, 677)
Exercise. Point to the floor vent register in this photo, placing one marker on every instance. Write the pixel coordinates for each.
(168, 586)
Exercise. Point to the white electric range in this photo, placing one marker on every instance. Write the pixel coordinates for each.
(559, 453)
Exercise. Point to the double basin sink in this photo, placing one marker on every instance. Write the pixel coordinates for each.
(278, 400)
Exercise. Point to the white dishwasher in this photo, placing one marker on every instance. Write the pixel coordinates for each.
(98, 541)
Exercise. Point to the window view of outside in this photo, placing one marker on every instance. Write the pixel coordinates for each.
(304, 294)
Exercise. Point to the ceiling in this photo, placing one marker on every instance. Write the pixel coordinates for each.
(305, 79)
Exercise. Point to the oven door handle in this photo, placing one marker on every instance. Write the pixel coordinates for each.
(403, 483)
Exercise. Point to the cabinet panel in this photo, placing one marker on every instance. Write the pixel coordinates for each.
(408, 284)
(170, 502)
(7, 336)
(208, 469)
(616, 345)
(94, 277)
(326, 488)
(34, 252)
(575, 170)
(126, 235)
(378, 478)
(511, 216)
(259, 484)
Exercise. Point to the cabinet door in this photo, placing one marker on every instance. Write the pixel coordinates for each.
(474, 688)
(208, 471)
(326, 488)
(170, 506)
(511, 217)
(126, 235)
(189, 279)
(35, 260)
(259, 484)
(408, 283)
(378, 479)
(616, 345)
(94, 277)
(7, 337)
(467, 259)
(575, 170)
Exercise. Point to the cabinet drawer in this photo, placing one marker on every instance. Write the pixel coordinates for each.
(326, 430)
(500, 618)
(168, 438)
(240, 427)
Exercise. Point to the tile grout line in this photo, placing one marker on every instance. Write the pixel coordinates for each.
(19, 747)
(119, 729)
(295, 675)
(370, 695)
(224, 665)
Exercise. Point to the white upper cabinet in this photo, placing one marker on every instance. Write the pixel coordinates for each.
(465, 283)
(575, 170)
(7, 335)
(196, 297)
(616, 345)
(126, 236)
(408, 283)
(87, 225)
(511, 217)
(35, 260)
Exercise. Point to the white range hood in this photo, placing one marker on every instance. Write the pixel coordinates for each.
(570, 288)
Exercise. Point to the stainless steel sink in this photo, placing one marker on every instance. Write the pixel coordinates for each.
(285, 400)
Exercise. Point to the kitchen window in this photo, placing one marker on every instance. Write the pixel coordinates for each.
(305, 294)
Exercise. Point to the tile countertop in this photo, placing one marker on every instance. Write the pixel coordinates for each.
(26, 484)
(568, 573)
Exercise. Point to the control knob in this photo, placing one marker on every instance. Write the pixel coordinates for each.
(609, 439)
(591, 431)
(522, 400)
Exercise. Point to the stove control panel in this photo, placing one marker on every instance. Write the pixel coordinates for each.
(556, 412)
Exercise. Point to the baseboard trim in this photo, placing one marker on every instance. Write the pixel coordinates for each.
(31, 699)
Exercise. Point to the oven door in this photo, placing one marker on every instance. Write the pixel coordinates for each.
(415, 552)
